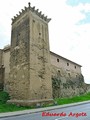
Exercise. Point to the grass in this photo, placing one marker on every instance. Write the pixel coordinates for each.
(10, 107)
(4, 107)
(74, 99)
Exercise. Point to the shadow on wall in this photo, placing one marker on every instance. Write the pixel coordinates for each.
(2, 70)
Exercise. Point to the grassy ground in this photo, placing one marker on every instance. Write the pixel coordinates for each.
(4, 107)
(73, 99)
(10, 107)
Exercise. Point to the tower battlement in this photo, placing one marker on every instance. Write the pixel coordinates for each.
(32, 9)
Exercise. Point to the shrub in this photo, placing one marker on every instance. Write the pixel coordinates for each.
(4, 96)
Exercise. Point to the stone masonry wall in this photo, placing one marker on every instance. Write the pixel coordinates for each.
(6, 63)
(18, 83)
(67, 86)
(40, 76)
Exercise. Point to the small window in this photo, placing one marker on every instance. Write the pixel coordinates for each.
(58, 71)
(69, 74)
(67, 64)
(75, 67)
(34, 21)
(57, 60)
(39, 33)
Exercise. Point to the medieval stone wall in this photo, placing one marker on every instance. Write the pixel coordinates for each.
(67, 79)
(67, 86)
(6, 63)
(64, 84)
(59, 73)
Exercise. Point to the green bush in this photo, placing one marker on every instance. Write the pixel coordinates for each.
(4, 96)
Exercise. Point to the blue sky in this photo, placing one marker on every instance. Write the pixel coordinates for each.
(86, 19)
(74, 3)
(69, 29)
(77, 2)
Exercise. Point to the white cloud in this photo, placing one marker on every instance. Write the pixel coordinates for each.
(85, 7)
(72, 41)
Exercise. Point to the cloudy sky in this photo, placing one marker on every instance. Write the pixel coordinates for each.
(69, 29)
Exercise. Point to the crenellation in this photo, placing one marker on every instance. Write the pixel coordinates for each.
(25, 8)
(19, 13)
(40, 13)
(37, 11)
(42, 16)
(12, 19)
(29, 8)
(22, 10)
(45, 17)
(49, 19)
(15, 17)
(33, 9)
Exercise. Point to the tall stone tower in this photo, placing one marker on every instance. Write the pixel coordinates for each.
(30, 77)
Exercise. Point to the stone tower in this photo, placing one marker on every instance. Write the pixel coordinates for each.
(30, 76)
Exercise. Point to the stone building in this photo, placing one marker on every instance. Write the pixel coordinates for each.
(29, 71)
(71, 68)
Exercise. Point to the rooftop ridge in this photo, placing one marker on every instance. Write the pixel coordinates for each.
(36, 11)
(65, 58)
